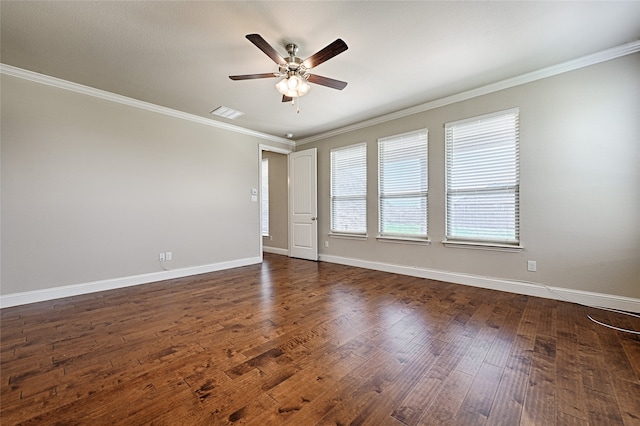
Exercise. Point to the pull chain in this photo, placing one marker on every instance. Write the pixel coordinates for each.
(293, 102)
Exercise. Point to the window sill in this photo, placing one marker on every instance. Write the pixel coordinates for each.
(348, 236)
(403, 240)
(475, 245)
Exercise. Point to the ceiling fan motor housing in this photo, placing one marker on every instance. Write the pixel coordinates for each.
(293, 62)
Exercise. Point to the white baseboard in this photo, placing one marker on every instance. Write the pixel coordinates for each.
(276, 250)
(110, 284)
(527, 288)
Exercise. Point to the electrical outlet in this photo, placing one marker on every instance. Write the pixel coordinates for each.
(326, 244)
(168, 256)
(161, 257)
(531, 266)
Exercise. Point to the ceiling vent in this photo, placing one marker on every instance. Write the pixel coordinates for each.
(226, 112)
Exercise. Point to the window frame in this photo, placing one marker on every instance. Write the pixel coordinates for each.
(416, 137)
(264, 193)
(484, 242)
(357, 233)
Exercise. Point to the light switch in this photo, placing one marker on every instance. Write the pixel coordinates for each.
(254, 198)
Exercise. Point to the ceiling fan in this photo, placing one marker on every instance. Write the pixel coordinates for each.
(295, 70)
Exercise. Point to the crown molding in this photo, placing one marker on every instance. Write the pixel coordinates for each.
(585, 61)
(102, 94)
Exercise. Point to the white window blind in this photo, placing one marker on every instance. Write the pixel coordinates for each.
(402, 185)
(349, 189)
(483, 183)
(265, 197)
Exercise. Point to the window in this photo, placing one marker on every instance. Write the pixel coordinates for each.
(349, 190)
(402, 185)
(264, 202)
(482, 172)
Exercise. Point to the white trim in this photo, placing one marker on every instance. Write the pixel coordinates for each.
(585, 61)
(111, 284)
(587, 298)
(285, 151)
(476, 245)
(348, 236)
(276, 250)
(482, 117)
(403, 240)
(102, 94)
(402, 135)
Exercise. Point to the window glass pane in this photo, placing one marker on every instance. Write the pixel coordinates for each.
(483, 178)
(483, 216)
(403, 216)
(402, 185)
(349, 189)
(349, 215)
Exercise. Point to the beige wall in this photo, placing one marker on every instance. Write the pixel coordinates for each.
(95, 190)
(580, 184)
(278, 201)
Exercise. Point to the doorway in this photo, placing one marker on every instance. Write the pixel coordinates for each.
(274, 216)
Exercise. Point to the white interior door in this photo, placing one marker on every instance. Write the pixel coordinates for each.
(303, 204)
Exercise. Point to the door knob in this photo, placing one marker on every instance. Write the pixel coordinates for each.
(314, 218)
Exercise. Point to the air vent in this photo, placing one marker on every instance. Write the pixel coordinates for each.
(227, 112)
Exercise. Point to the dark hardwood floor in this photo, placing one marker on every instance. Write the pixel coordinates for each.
(303, 343)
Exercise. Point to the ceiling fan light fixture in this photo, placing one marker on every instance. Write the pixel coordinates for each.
(293, 86)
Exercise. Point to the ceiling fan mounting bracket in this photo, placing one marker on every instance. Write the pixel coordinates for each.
(292, 49)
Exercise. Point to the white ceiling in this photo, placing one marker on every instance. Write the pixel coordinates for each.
(401, 54)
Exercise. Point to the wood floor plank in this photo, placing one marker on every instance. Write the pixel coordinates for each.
(476, 406)
(595, 374)
(416, 361)
(348, 395)
(375, 378)
(540, 398)
(429, 386)
(507, 328)
(570, 397)
(509, 400)
(602, 408)
(626, 397)
(618, 363)
(294, 342)
(311, 382)
(447, 403)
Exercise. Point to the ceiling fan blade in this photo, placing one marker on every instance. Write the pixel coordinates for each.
(326, 81)
(266, 48)
(286, 98)
(333, 49)
(253, 76)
